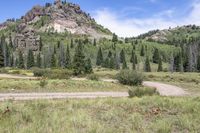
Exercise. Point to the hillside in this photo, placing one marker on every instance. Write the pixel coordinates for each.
(59, 17)
(173, 35)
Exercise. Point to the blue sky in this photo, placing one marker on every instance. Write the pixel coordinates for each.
(124, 17)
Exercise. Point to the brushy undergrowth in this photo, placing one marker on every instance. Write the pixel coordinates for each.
(53, 74)
(93, 77)
(142, 91)
(129, 77)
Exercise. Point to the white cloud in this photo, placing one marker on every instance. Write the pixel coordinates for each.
(128, 27)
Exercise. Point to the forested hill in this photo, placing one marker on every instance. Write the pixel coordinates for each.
(61, 35)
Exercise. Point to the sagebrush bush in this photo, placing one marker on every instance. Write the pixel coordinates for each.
(43, 83)
(93, 77)
(3, 70)
(53, 74)
(142, 91)
(128, 77)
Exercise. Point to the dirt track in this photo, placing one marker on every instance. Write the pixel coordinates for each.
(163, 89)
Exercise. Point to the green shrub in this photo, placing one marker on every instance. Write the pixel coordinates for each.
(3, 70)
(142, 91)
(43, 83)
(53, 74)
(39, 72)
(93, 77)
(128, 77)
(15, 72)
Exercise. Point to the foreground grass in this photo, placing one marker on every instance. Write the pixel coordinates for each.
(147, 114)
(12, 85)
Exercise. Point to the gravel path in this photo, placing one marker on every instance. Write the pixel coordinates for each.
(82, 95)
(163, 89)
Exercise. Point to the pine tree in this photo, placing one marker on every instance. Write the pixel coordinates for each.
(109, 54)
(160, 68)
(133, 63)
(53, 61)
(122, 56)
(147, 67)
(88, 66)
(115, 38)
(58, 44)
(95, 42)
(68, 58)
(72, 43)
(112, 63)
(156, 56)
(99, 60)
(79, 60)
(39, 61)
(7, 55)
(142, 51)
(106, 63)
(1, 57)
(41, 44)
(30, 59)
(21, 61)
(117, 61)
(124, 64)
(132, 56)
(198, 64)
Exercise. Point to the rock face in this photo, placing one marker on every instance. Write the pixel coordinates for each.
(57, 17)
(27, 39)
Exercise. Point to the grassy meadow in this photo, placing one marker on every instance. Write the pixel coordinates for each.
(147, 114)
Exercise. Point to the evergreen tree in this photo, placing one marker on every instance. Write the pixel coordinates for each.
(58, 44)
(160, 68)
(122, 56)
(198, 64)
(156, 56)
(72, 43)
(147, 67)
(99, 60)
(95, 42)
(39, 61)
(79, 60)
(134, 63)
(132, 56)
(7, 55)
(88, 66)
(106, 63)
(142, 51)
(1, 57)
(21, 61)
(112, 63)
(41, 44)
(30, 59)
(53, 61)
(68, 58)
(115, 38)
(117, 61)
(109, 54)
(124, 64)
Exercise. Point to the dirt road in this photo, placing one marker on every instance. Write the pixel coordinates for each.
(82, 95)
(165, 89)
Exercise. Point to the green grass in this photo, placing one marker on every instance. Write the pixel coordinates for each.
(144, 115)
(11, 85)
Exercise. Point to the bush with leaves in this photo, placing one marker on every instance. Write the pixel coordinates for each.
(93, 77)
(43, 83)
(142, 91)
(129, 77)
